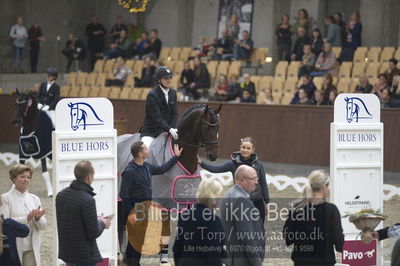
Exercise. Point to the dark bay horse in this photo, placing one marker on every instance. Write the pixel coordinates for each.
(35, 135)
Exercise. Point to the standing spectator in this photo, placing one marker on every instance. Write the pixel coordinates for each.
(201, 79)
(74, 50)
(249, 85)
(338, 17)
(120, 73)
(245, 250)
(95, 33)
(201, 221)
(221, 89)
(318, 98)
(302, 39)
(394, 92)
(284, 40)
(234, 27)
(317, 214)
(117, 28)
(307, 62)
(308, 86)
(317, 42)
(332, 98)
(26, 208)
(234, 90)
(302, 21)
(327, 86)
(269, 98)
(9, 231)
(225, 43)
(19, 35)
(246, 156)
(187, 77)
(353, 38)
(363, 86)
(303, 98)
(154, 48)
(121, 48)
(35, 36)
(392, 71)
(136, 192)
(49, 92)
(77, 222)
(333, 35)
(381, 85)
(326, 62)
(148, 72)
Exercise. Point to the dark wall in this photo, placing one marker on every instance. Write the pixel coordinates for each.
(284, 134)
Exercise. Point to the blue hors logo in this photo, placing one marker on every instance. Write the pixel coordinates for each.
(356, 109)
(82, 115)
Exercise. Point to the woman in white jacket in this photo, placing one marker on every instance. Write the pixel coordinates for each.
(24, 207)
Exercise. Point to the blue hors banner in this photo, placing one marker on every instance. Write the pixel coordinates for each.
(355, 109)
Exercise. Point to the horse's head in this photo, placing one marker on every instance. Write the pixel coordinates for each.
(24, 103)
(74, 114)
(349, 109)
(209, 126)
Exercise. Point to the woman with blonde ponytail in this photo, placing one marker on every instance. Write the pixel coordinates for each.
(314, 226)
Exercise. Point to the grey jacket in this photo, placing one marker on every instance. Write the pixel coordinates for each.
(244, 232)
(334, 35)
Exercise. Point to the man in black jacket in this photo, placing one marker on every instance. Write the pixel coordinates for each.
(136, 193)
(77, 222)
(49, 92)
(161, 108)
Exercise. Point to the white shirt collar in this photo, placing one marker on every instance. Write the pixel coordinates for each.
(18, 192)
(244, 191)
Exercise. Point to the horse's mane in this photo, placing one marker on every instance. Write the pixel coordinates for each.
(191, 109)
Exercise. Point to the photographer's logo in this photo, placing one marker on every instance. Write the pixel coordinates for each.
(356, 109)
(82, 115)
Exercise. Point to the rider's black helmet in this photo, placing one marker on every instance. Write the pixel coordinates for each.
(52, 72)
(163, 72)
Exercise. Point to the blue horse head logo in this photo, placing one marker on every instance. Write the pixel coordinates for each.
(356, 109)
(82, 115)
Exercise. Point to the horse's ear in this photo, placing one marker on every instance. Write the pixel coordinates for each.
(219, 108)
(206, 109)
(17, 92)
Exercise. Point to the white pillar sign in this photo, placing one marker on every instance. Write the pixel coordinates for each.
(85, 131)
(356, 156)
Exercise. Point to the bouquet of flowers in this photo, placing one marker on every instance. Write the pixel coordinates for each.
(366, 220)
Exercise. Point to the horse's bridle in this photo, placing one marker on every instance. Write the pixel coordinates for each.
(21, 102)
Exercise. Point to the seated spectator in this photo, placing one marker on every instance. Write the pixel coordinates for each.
(353, 38)
(234, 27)
(117, 28)
(303, 98)
(202, 47)
(381, 85)
(309, 87)
(187, 77)
(74, 50)
(154, 48)
(221, 89)
(394, 92)
(242, 48)
(213, 49)
(327, 86)
(363, 86)
(247, 84)
(317, 42)
(384, 98)
(308, 61)
(225, 44)
(338, 20)
(269, 99)
(333, 34)
(247, 97)
(284, 38)
(326, 62)
(120, 73)
(148, 72)
(318, 98)
(302, 21)
(302, 39)
(392, 71)
(141, 45)
(234, 90)
(201, 221)
(121, 48)
(332, 98)
(201, 79)
(310, 214)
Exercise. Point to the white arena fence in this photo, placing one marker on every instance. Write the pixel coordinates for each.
(280, 182)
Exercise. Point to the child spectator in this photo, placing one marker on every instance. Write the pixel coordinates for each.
(327, 86)
(246, 97)
(234, 90)
(269, 99)
(221, 89)
(332, 97)
(318, 98)
(247, 84)
(303, 98)
(308, 86)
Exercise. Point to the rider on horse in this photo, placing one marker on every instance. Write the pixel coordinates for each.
(49, 94)
(161, 108)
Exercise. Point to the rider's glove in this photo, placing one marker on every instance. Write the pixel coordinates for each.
(39, 106)
(45, 108)
(174, 133)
